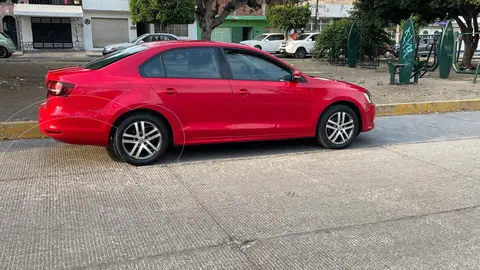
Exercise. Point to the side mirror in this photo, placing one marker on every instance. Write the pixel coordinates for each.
(309, 39)
(267, 39)
(141, 41)
(297, 76)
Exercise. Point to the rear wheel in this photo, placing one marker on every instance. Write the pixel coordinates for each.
(300, 53)
(141, 139)
(338, 127)
(3, 52)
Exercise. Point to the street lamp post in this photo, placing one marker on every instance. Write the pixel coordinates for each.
(316, 17)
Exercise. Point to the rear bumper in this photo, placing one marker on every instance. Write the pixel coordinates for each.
(55, 121)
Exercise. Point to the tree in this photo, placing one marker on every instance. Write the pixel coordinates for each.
(286, 17)
(210, 13)
(163, 12)
(464, 12)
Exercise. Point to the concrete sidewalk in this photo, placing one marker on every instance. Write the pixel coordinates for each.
(405, 196)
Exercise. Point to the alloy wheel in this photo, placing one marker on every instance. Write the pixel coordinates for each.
(340, 128)
(300, 53)
(141, 140)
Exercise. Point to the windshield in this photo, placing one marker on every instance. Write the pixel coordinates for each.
(113, 57)
(260, 37)
(4, 35)
(138, 38)
(303, 36)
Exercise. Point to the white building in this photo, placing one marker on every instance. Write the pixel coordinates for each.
(50, 24)
(107, 22)
(83, 24)
(327, 14)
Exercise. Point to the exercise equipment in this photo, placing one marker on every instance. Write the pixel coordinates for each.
(411, 67)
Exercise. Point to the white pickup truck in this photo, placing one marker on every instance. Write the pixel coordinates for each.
(300, 47)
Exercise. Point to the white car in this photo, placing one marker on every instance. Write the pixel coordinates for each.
(269, 42)
(300, 47)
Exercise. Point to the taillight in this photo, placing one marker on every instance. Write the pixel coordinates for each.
(59, 89)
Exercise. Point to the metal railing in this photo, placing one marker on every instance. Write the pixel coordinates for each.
(52, 2)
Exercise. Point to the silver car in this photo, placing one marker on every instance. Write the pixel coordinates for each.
(7, 47)
(141, 39)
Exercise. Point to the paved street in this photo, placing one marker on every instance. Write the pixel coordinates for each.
(405, 196)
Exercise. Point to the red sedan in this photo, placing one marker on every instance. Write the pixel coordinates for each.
(139, 101)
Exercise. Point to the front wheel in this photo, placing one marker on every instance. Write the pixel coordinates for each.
(258, 47)
(141, 139)
(3, 52)
(338, 127)
(300, 53)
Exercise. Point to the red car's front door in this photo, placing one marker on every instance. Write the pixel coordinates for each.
(189, 83)
(266, 101)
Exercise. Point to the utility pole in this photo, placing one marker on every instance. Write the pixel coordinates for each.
(316, 17)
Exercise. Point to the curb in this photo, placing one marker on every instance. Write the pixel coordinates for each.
(428, 107)
(30, 130)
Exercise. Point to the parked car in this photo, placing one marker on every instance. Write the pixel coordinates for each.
(424, 47)
(7, 47)
(139, 101)
(269, 42)
(387, 51)
(301, 47)
(141, 39)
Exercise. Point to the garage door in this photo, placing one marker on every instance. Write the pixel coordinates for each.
(223, 34)
(109, 31)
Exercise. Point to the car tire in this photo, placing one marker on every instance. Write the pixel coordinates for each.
(141, 139)
(300, 53)
(337, 127)
(258, 47)
(388, 54)
(112, 152)
(3, 52)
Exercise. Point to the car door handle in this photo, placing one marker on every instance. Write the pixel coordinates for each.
(170, 92)
(243, 92)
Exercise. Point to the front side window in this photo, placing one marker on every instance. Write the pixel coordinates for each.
(250, 67)
(303, 36)
(195, 63)
(114, 57)
(260, 37)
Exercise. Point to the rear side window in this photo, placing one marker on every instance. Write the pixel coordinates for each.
(196, 63)
(153, 68)
(114, 57)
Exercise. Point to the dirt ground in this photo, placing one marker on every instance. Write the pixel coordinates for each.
(22, 89)
(377, 81)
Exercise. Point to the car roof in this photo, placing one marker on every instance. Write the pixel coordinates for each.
(273, 33)
(193, 43)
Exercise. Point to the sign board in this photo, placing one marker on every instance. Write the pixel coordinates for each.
(331, 10)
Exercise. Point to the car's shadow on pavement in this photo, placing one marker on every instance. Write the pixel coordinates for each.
(248, 150)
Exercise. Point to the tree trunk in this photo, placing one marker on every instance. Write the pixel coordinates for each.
(206, 34)
(470, 48)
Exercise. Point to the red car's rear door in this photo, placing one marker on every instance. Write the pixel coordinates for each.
(189, 83)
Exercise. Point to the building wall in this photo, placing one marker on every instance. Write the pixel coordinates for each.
(258, 25)
(26, 24)
(87, 29)
(27, 35)
(106, 5)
